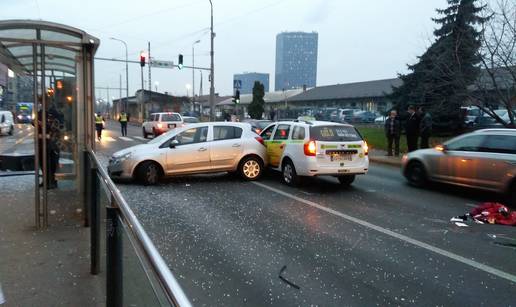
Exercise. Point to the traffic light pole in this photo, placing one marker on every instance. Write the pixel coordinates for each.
(142, 97)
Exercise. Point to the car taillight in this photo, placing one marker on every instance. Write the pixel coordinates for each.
(260, 140)
(258, 130)
(310, 148)
(366, 148)
(160, 126)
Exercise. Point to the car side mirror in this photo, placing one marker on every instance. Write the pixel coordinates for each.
(442, 148)
(173, 144)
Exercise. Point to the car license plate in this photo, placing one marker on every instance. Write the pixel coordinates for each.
(171, 125)
(341, 157)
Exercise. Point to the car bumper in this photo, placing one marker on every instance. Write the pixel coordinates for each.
(313, 168)
(119, 170)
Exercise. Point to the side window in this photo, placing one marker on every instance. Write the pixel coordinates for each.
(266, 134)
(469, 143)
(282, 132)
(3, 119)
(298, 133)
(226, 133)
(500, 144)
(192, 136)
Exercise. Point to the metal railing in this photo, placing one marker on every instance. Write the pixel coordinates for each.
(120, 217)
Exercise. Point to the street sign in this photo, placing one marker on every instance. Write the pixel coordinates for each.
(162, 64)
(237, 84)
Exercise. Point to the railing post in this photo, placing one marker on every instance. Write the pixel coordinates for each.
(87, 188)
(114, 271)
(94, 212)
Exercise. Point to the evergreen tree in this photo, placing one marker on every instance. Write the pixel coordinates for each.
(440, 79)
(256, 107)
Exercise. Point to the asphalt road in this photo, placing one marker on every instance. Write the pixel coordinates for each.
(380, 242)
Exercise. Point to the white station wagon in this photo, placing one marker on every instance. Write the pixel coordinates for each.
(315, 148)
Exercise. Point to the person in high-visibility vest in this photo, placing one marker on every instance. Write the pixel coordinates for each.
(98, 125)
(123, 123)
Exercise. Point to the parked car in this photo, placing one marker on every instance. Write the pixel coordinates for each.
(363, 117)
(190, 120)
(158, 123)
(300, 148)
(193, 149)
(482, 122)
(343, 115)
(484, 159)
(380, 119)
(257, 125)
(6, 122)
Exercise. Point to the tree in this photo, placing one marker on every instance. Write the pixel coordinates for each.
(497, 84)
(256, 107)
(440, 79)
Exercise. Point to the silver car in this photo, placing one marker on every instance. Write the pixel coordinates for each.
(484, 159)
(193, 149)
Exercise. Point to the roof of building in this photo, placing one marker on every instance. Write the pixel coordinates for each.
(376, 88)
(270, 97)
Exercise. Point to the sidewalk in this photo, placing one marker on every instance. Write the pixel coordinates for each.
(380, 156)
(48, 267)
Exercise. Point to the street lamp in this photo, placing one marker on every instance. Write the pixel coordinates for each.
(156, 84)
(126, 71)
(193, 74)
(188, 87)
(212, 68)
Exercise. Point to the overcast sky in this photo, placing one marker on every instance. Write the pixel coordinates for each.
(358, 40)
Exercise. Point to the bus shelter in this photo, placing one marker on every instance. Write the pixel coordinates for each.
(58, 61)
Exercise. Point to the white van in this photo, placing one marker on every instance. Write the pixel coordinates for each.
(6, 122)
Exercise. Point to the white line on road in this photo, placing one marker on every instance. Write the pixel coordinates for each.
(140, 138)
(126, 138)
(437, 250)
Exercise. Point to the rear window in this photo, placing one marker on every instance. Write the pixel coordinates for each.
(334, 134)
(262, 125)
(170, 117)
(226, 133)
(500, 144)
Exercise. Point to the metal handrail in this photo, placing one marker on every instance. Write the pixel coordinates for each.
(174, 292)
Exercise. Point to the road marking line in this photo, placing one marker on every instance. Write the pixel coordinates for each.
(125, 138)
(472, 205)
(140, 138)
(109, 139)
(437, 250)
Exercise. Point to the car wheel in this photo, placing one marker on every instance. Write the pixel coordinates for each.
(416, 174)
(346, 180)
(11, 130)
(144, 133)
(511, 195)
(154, 132)
(251, 168)
(148, 173)
(290, 176)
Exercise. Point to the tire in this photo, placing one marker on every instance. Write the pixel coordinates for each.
(346, 180)
(289, 174)
(148, 173)
(250, 168)
(11, 130)
(144, 133)
(416, 174)
(511, 195)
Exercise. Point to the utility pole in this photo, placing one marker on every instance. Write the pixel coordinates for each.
(150, 59)
(120, 100)
(212, 69)
(142, 97)
(193, 75)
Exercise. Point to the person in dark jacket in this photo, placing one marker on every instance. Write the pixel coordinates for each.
(412, 129)
(392, 132)
(425, 127)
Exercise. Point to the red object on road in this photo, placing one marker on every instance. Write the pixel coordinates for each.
(494, 213)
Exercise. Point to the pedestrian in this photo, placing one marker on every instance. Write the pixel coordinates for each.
(425, 127)
(99, 125)
(412, 129)
(272, 115)
(52, 139)
(123, 123)
(392, 132)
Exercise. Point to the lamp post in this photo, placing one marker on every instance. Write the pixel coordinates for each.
(126, 71)
(212, 68)
(193, 74)
(156, 84)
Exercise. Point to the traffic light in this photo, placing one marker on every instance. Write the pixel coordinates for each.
(236, 98)
(143, 57)
(180, 62)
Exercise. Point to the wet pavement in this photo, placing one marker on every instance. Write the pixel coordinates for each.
(379, 242)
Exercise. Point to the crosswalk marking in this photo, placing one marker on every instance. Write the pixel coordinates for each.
(125, 138)
(141, 138)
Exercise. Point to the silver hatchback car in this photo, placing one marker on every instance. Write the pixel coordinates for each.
(193, 149)
(484, 159)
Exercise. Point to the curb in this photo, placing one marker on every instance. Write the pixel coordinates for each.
(385, 161)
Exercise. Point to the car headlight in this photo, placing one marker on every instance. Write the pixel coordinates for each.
(122, 158)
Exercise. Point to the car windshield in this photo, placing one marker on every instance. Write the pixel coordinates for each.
(334, 134)
(263, 124)
(190, 120)
(170, 117)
